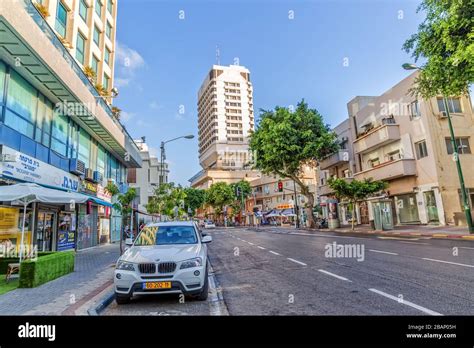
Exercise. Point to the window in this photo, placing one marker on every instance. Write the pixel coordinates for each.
(108, 30)
(167, 235)
(83, 10)
(84, 147)
(101, 160)
(44, 117)
(98, 7)
(373, 162)
(394, 155)
(109, 6)
(415, 109)
(106, 82)
(95, 64)
(96, 35)
(21, 105)
(421, 149)
(462, 145)
(454, 105)
(107, 56)
(73, 140)
(3, 70)
(80, 48)
(61, 19)
(59, 134)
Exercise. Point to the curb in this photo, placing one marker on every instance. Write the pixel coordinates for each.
(103, 303)
(217, 305)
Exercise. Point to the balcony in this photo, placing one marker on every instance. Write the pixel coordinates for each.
(377, 137)
(342, 156)
(389, 170)
(326, 190)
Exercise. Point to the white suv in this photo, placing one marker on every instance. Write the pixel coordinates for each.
(166, 257)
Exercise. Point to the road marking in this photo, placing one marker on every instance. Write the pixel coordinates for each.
(250, 243)
(334, 275)
(466, 248)
(296, 261)
(452, 263)
(382, 252)
(274, 253)
(243, 240)
(405, 302)
(260, 247)
(420, 243)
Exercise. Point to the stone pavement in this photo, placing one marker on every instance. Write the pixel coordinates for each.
(65, 295)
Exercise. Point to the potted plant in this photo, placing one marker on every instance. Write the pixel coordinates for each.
(116, 111)
(101, 89)
(90, 73)
(43, 10)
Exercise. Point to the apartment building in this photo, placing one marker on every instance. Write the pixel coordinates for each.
(147, 178)
(267, 197)
(87, 29)
(56, 130)
(225, 122)
(405, 141)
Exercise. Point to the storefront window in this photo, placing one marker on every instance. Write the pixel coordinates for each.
(11, 219)
(407, 208)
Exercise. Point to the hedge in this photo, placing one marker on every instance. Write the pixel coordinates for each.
(4, 261)
(46, 268)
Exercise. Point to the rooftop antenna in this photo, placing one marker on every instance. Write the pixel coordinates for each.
(218, 55)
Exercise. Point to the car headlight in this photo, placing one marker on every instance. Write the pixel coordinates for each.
(125, 266)
(196, 262)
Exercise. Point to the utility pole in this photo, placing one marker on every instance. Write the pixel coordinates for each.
(296, 206)
(162, 160)
(467, 209)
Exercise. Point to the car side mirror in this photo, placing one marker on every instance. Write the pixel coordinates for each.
(129, 241)
(203, 234)
(206, 239)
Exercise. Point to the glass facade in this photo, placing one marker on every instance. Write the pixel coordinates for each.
(80, 48)
(98, 7)
(83, 10)
(61, 19)
(27, 111)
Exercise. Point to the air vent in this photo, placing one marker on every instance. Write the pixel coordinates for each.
(77, 167)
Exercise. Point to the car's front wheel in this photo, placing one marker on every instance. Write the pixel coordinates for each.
(205, 289)
(122, 299)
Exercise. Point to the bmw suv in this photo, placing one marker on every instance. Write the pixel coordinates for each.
(166, 258)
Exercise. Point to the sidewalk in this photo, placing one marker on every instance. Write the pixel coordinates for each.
(68, 294)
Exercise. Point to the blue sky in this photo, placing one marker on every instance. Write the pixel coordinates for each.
(327, 53)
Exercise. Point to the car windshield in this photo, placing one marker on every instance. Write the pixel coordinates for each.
(163, 235)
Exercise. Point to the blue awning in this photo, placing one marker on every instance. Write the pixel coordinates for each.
(98, 200)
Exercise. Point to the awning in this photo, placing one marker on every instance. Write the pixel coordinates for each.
(274, 213)
(27, 193)
(98, 201)
(288, 212)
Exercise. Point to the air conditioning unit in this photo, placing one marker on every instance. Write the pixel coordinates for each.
(7, 157)
(442, 114)
(97, 176)
(77, 167)
(89, 174)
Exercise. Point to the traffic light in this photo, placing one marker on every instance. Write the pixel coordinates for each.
(280, 186)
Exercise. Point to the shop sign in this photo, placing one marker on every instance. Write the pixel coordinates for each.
(284, 206)
(102, 193)
(89, 187)
(9, 220)
(30, 169)
(66, 233)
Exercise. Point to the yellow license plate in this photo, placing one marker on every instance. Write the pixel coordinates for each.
(157, 285)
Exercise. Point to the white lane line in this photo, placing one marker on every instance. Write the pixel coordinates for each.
(466, 248)
(250, 243)
(382, 252)
(416, 243)
(296, 261)
(323, 235)
(334, 275)
(405, 302)
(243, 240)
(260, 247)
(451, 263)
(274, 252)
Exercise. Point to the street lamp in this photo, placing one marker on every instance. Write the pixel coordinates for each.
(467, 209)
(162, 153)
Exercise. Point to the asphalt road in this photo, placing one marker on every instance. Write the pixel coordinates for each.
(273, 272)
(283, 272)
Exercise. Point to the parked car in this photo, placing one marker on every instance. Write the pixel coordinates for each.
(209, 224)
(165, 258)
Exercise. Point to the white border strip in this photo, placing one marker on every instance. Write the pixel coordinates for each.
(405, 302)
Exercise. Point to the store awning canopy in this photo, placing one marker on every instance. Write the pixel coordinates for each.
(288, 212)
(26, 193)
(273, 213)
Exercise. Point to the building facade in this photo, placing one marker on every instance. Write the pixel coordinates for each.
(225, 122)
(56, 130)
(405, 141)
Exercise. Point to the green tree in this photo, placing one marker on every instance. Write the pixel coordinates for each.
(219, 195)
(166, 199)
(355, 191)
(123, 203)
(446, 40)
(242, 190)
(286, 140)
(195, 199)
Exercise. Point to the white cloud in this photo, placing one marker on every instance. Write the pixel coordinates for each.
(126, 116)
(128, 61)
(154, 105)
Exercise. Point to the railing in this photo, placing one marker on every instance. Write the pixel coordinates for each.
(31, 9)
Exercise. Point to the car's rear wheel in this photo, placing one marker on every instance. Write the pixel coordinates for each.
(205, 289)
(122, 299)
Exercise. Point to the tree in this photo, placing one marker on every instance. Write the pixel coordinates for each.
(446, 40)
(355, 190)
(242, 190)
(123, 204)
(194, 199)
(219, 195)
(286, 140)
(166, 199)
